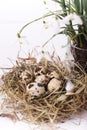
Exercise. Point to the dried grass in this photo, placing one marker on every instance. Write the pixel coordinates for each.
(51, 107)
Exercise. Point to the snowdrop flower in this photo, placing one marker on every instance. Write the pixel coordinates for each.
(74, 18)
(77, 19)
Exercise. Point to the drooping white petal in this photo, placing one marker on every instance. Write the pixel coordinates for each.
(77, 20)
(67, 19)
(74, 18)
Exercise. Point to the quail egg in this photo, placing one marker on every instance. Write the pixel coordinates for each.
(35, 89)
(40, 78)
(54, 84)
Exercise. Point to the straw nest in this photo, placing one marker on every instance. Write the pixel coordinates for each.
(49, 106)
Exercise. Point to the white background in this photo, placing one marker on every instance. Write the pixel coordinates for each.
(13, 15)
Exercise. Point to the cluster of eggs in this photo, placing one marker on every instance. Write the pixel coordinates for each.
(42, 82)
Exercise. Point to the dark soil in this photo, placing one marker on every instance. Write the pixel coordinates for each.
(80, 56)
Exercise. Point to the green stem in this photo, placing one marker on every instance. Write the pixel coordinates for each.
(63, 5)
(47, 15)
(54, 35)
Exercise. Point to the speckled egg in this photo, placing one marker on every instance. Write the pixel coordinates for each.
(54, 85)
(40, 78)
(35, 89)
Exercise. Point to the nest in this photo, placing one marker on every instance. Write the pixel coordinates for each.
(52, 106)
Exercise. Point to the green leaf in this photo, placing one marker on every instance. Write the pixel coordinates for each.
(81, 7)
(84, 6)
(77, 6)
(57, 1)
(62, 4)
